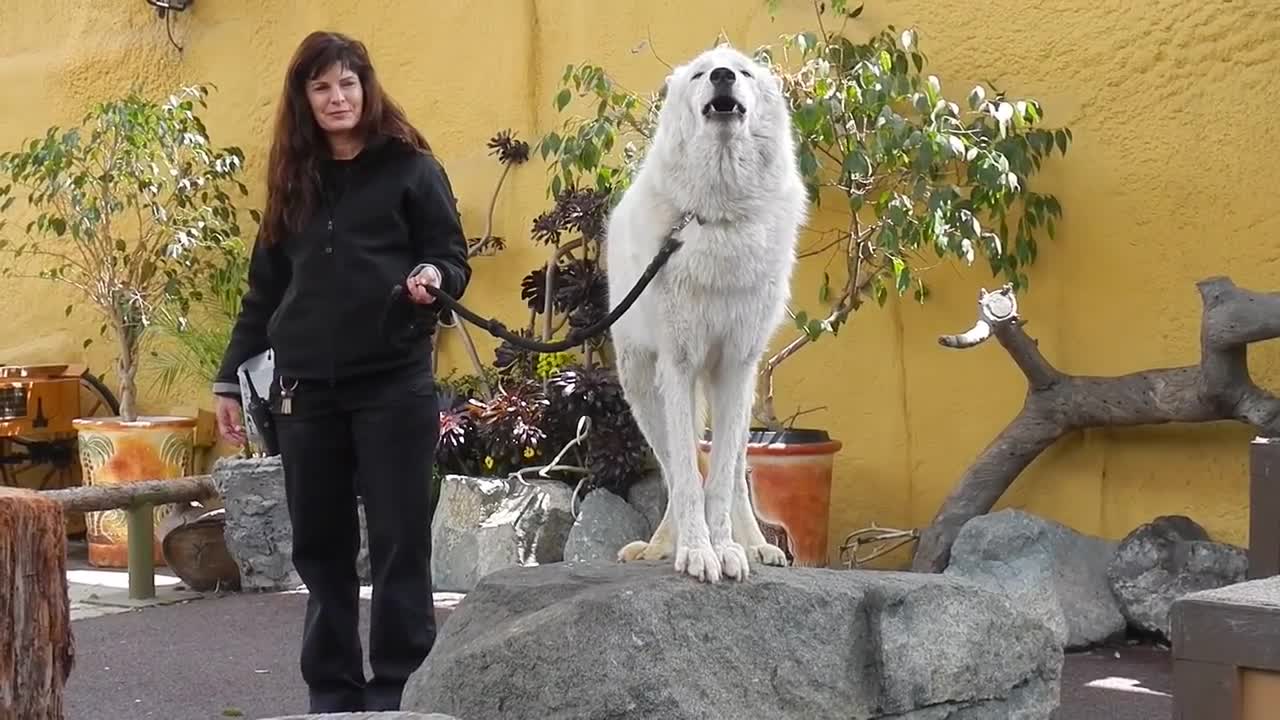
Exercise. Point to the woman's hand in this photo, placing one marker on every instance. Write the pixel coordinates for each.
(417, 284)
(229, 413)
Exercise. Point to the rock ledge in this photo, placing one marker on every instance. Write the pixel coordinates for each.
(604, 639)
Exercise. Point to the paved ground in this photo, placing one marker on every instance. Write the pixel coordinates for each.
(216, 657)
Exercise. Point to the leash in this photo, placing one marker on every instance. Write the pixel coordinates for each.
(399, 297)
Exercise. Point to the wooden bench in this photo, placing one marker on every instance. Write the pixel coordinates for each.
(137, 499)
(1226, 641)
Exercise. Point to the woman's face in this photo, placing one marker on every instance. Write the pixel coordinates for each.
(336, 99)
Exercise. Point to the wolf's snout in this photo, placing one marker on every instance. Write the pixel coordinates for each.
(722, 78)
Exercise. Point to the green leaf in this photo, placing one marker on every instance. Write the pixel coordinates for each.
(563, 98)
(881, 293)
(58, 225)
(824, 290)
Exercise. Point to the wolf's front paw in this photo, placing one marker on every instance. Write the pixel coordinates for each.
(699, 561)
(641, 550)
(733, 560)
(767, 554)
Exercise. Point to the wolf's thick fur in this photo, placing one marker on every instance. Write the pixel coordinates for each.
(707, 318)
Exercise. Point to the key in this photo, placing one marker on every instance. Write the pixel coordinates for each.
(286, 398)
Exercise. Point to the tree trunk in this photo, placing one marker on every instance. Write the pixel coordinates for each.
(94, 498)
(1219, 388)
(36, 647)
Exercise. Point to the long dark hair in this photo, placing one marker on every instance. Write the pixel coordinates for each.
(298, 142)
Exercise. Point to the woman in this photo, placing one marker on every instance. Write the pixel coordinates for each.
(355, 202)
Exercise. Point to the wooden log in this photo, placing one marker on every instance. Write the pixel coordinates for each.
(150, 492)
(36, 648)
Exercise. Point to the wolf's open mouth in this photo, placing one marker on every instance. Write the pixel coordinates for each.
(723, 105)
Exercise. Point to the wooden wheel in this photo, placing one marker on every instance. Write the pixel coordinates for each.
(50, 460)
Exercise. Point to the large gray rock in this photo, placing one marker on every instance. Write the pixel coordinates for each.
(637, 640)
(649, 496)
(1164, 560)
(605, 523)
(486, 524)
(258, 532)
(1054, 572)
(385, 715)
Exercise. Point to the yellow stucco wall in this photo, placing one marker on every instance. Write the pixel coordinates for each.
(1168, 181)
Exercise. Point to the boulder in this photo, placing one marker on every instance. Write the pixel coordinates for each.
(637, 640)
(258, 532)
(649, 497)
(383, 715)
(1056, 573)
(484, 524)
(1165, 559)
(605, 523)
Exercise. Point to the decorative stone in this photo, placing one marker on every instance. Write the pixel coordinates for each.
(637, 640)
(1056, 573)
(258, 531)
(484, 524)
(1165, 559)
(605, 523)
(649, 496)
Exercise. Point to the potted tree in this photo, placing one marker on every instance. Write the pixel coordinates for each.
(132, 209)
(910, 174)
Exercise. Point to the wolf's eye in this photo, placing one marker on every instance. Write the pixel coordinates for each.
(744, 72)
(698, 74)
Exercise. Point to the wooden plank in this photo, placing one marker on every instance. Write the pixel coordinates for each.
(1226, 633)
(1205, 691)
(1264, 507)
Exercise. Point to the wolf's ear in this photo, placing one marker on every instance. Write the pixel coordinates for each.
(666, 85)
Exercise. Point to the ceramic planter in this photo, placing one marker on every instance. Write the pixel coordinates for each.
(115, 452)
(789, 477)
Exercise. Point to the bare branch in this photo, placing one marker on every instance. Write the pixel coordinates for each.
(1219, 388)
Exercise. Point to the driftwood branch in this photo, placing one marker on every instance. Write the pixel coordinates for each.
(1218, 388)
(94, 498)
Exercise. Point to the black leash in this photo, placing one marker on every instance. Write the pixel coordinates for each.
(400, 297)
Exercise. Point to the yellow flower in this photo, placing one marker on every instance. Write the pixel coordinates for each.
(488, 462)
(528, 452)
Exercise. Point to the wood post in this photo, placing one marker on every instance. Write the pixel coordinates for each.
(1264, 507)
(36, 647)
(142, 566)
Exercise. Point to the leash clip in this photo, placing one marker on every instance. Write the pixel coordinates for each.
(684, 221)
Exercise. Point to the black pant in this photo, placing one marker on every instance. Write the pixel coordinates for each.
(373, 437)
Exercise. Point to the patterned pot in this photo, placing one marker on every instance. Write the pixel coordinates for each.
(115, 452)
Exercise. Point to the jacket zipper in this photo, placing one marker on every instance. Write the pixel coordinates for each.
(333, 294)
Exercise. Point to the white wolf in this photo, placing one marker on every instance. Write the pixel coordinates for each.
(722, 151)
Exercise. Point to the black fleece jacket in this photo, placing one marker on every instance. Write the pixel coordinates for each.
(316, 298)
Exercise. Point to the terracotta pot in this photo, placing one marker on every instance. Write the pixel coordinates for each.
(115, 452)
(789, 476)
